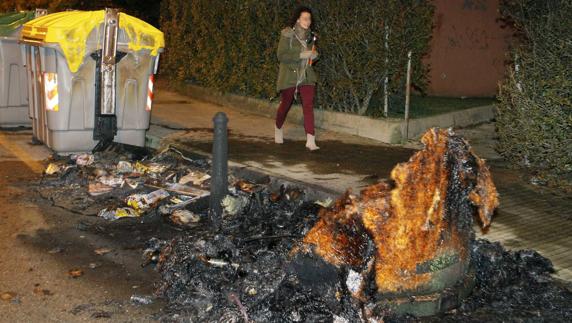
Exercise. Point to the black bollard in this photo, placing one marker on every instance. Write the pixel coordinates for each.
(219, 173)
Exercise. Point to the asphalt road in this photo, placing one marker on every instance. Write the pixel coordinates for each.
(41, 243)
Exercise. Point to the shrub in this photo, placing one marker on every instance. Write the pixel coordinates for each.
(147, 10)
(534, 118)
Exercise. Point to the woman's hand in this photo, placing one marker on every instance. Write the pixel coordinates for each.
(309, 54)
(314, 55)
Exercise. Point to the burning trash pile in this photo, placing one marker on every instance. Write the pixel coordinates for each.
(128, 184)
(403, 249)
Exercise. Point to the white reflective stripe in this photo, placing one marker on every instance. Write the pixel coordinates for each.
(156, 64)
(149, 101)
(51, 91)
(150, 92)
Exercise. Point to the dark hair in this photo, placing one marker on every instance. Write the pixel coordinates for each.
(298, 12)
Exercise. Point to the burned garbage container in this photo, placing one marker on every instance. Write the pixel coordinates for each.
(406, 243)
(92, 78)
(13, 88)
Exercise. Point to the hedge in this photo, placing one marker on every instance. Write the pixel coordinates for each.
(534, 119)
(147, 10)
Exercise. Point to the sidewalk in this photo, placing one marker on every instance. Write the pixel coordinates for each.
(528, 217)
(344, 161)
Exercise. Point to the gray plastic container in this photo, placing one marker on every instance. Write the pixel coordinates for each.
(70, 129)
(13, 80)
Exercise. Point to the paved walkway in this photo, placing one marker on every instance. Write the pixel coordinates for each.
(344, 161)
(531, 218)
(528, 217)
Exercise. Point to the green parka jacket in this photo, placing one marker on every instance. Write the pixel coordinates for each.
(291, 66)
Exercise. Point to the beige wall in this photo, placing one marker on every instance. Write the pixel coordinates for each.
(468, 48)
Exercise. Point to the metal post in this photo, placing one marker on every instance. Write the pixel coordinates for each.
(386, 78)
(219, 173)
(108, 61)
(517, 72)
(407, 95)
(105, 127)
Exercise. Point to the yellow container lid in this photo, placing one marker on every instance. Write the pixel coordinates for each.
(70, 30)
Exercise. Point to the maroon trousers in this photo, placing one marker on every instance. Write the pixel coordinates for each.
(307, 93)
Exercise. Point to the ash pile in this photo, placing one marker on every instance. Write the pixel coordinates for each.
(245, 272)
(279, 258)
(127, 182)
(512, 286)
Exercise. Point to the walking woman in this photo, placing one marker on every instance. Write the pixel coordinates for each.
(296, 53)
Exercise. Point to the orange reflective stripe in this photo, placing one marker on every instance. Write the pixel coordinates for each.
(51, 91)
(52, 94)
(150, 92)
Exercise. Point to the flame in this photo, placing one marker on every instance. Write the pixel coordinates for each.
(425, 215)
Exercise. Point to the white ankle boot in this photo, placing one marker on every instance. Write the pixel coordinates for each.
(278, 135)
(311, 142)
